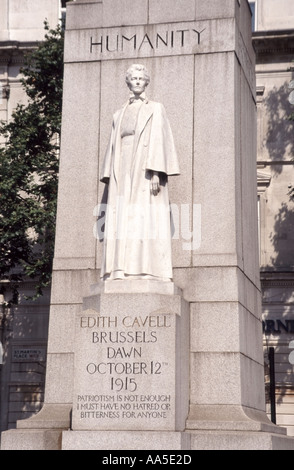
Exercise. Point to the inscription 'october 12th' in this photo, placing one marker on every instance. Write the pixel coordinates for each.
(170, 39)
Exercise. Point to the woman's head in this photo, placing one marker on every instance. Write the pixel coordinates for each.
(137, 70)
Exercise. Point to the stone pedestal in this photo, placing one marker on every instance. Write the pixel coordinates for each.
(131, 368)
(126, 440)
(200, 58)
(131, 362)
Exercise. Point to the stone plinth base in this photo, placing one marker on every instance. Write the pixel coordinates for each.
(56, 439)
(31, 439)
(40, 432)
(230, 418)
(126, 440)
(236, 440)
(133, 286)
(200, 440)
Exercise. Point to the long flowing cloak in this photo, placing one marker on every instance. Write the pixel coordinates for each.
(137, 237)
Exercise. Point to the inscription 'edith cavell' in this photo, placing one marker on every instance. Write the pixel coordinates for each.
(159, 321)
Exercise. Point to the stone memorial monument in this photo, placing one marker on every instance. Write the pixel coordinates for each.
(155, 337)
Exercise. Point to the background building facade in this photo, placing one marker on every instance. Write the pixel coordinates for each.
(24, 329)
(273, 39)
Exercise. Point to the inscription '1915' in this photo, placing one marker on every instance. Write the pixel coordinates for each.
(125, 368)
(171, 39)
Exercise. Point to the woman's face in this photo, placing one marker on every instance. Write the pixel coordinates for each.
(137, 82)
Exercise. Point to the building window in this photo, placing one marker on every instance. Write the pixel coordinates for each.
(253, 11)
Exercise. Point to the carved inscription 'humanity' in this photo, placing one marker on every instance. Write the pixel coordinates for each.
(147, 41)
(152, 40)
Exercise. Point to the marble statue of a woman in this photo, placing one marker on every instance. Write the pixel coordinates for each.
(140, 156)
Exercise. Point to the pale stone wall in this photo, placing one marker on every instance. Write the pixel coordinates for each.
(21, 25)
(23, 20)
(274, 14)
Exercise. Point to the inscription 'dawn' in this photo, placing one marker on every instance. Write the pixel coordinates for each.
(168, 39)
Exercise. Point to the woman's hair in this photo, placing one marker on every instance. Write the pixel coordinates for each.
(139, 68)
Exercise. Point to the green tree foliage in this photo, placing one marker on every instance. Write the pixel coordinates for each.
(29, 169)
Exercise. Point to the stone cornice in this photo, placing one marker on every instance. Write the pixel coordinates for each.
(13, 52)
(263, 181)
(277, 279)
(273, 42)
(286, 283)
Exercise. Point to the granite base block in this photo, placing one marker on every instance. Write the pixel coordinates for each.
(235, 440)
(31, 439)
(56, 439)
(39, 432)
(135, 286)
(166, 441)
(127, 440)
